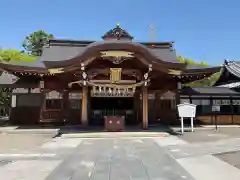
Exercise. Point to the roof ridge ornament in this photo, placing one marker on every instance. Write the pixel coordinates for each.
(117, 33)
(226, 61)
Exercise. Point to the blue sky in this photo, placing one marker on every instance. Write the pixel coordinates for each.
(204, 30)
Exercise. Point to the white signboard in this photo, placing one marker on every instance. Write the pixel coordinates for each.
(186, 110)
(14, 100)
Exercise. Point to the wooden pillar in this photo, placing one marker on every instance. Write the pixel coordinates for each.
(178, 93)
(145, 107)
(43, 107)
(136, 106)
(157, 106)
(65, 108)
(84, 118)
(178, 100)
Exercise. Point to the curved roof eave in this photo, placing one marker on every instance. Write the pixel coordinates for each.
(93, 49)
(203, 70)
(20, 68)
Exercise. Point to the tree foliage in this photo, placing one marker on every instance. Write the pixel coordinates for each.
(16, 55)
(191, 61)
(34, 42)
(208, 81)
(11, 55)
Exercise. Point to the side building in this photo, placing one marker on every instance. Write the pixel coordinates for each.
(220, 102)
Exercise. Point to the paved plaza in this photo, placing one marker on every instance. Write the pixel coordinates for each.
(201, 155)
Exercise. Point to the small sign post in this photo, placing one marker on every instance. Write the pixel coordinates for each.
(215, 109)
(186, 110)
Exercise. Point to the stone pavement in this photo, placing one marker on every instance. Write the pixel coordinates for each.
(135, 158)
(119, 159)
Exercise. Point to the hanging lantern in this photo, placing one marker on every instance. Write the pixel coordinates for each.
(145, 75)
(150, 67)
(84, 75)
(82, 67)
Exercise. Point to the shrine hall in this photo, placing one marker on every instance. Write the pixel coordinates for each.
(91, 83)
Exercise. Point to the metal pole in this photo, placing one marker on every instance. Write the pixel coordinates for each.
(216, 127)
(192, 123)
(182, 128)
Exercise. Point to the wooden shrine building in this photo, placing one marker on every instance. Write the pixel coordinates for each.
(80, 82)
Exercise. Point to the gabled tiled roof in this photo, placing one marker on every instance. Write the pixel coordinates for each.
(58, 54)
(229, 74)
(233, 67)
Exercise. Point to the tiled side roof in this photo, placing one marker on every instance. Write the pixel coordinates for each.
(208, 90)
(231, 85)
(60, 53)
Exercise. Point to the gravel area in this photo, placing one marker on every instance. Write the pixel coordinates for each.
(232, 132)
(232, 158)
(206, 135)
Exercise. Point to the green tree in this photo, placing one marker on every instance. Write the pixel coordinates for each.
(11, 55)
(191, 61)
(34, 43)
(16, 55)
(181, 59)
(208, 81)
(203, 63)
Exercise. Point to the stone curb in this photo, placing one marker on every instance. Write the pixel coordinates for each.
(114, 135)
(30, 131)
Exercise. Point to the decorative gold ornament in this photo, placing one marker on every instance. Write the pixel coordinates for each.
(174, 72)
(55, 70)
(116, 54)
(115, 74)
